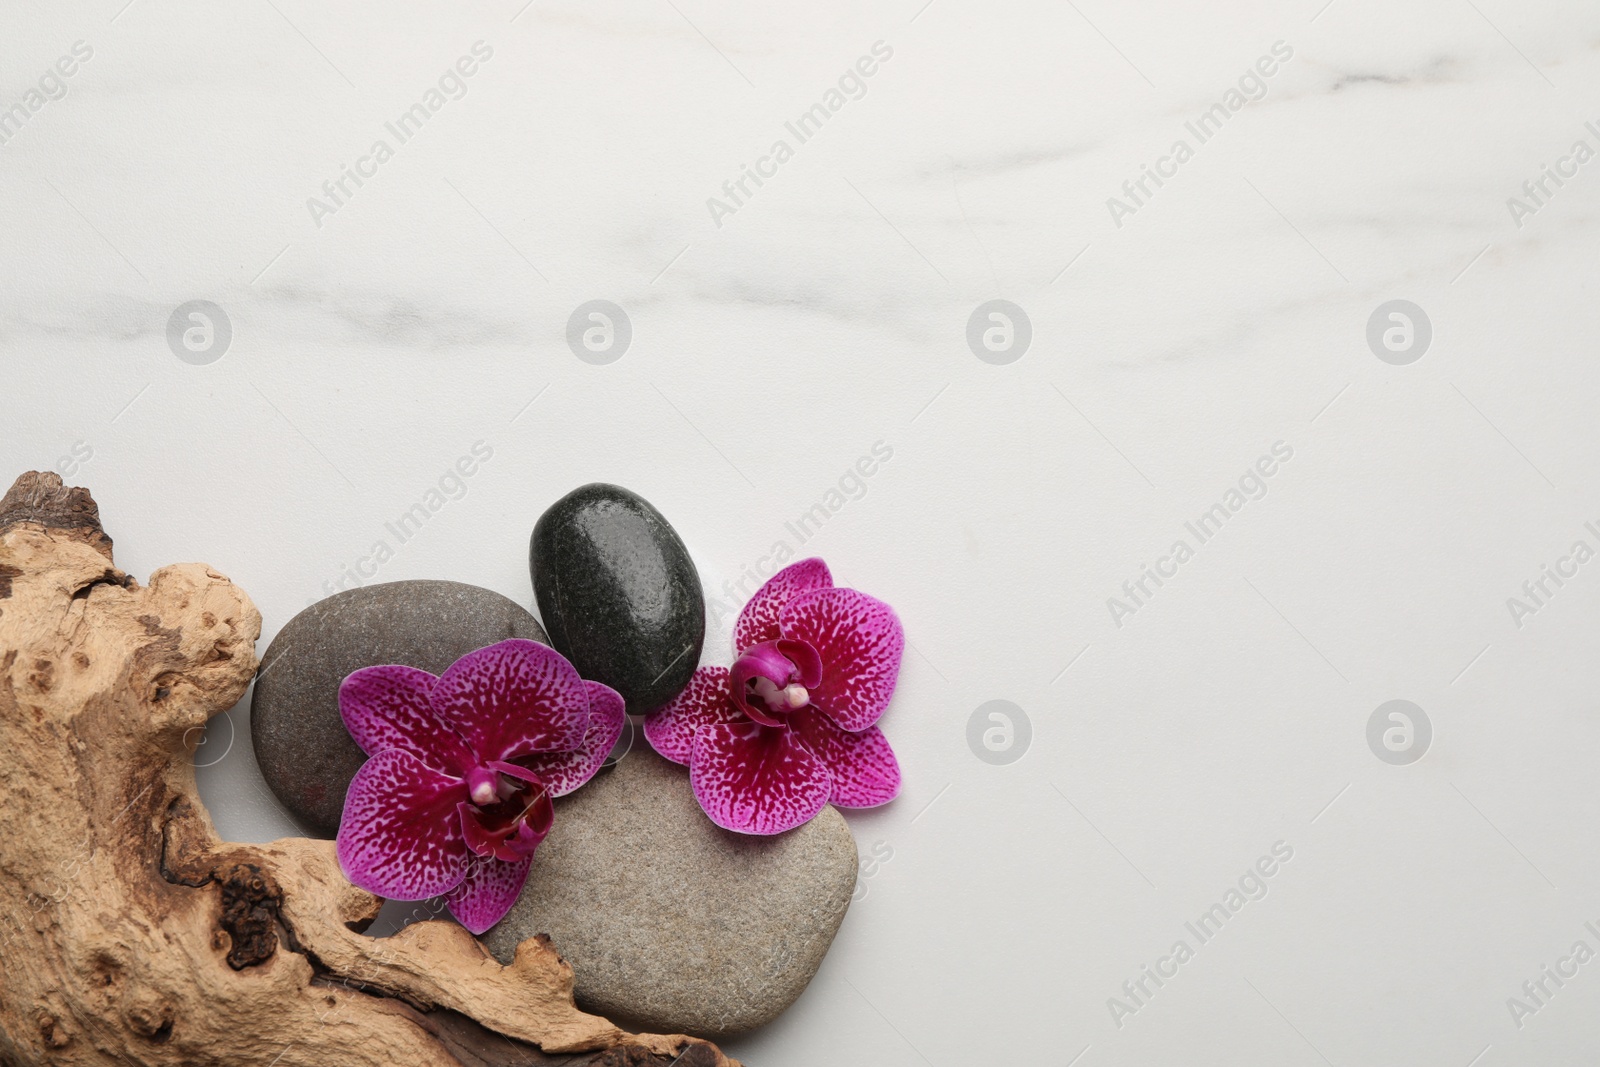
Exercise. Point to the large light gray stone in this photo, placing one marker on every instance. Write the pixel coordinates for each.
(671, 923)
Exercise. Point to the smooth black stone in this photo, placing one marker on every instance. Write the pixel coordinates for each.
(619, 593)
(305, 752)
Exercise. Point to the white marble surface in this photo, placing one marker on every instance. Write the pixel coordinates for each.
(826, 314)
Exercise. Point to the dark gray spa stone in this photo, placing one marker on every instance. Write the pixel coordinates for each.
(305, 753)
(619, 594)
(671, 923)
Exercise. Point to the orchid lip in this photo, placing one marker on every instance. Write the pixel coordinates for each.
(772, 679)
(517, 818)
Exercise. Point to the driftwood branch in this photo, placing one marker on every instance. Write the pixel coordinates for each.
(130, 933)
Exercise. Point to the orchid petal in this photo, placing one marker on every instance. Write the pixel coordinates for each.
(514, 698)
(758, 621)
(400, 836)
(860, 640)
(489, 890)
(865, 772)
(389, 707)
(670, 729)
(756, 780)
(562, 772)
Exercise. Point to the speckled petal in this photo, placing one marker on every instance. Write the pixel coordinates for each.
(489, 890)
(401, 836)
(389, 707)
(864, 770)
(754, 779)
(670, 729)
(514, 698)
(758, 621)
(562, 772)
(860, 641)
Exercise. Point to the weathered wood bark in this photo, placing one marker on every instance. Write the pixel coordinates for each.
(130, 933)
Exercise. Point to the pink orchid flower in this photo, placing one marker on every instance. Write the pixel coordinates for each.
(792, 726)
(456, 796)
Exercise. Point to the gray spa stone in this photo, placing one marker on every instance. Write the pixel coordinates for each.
(305, 753)
(671, 923)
